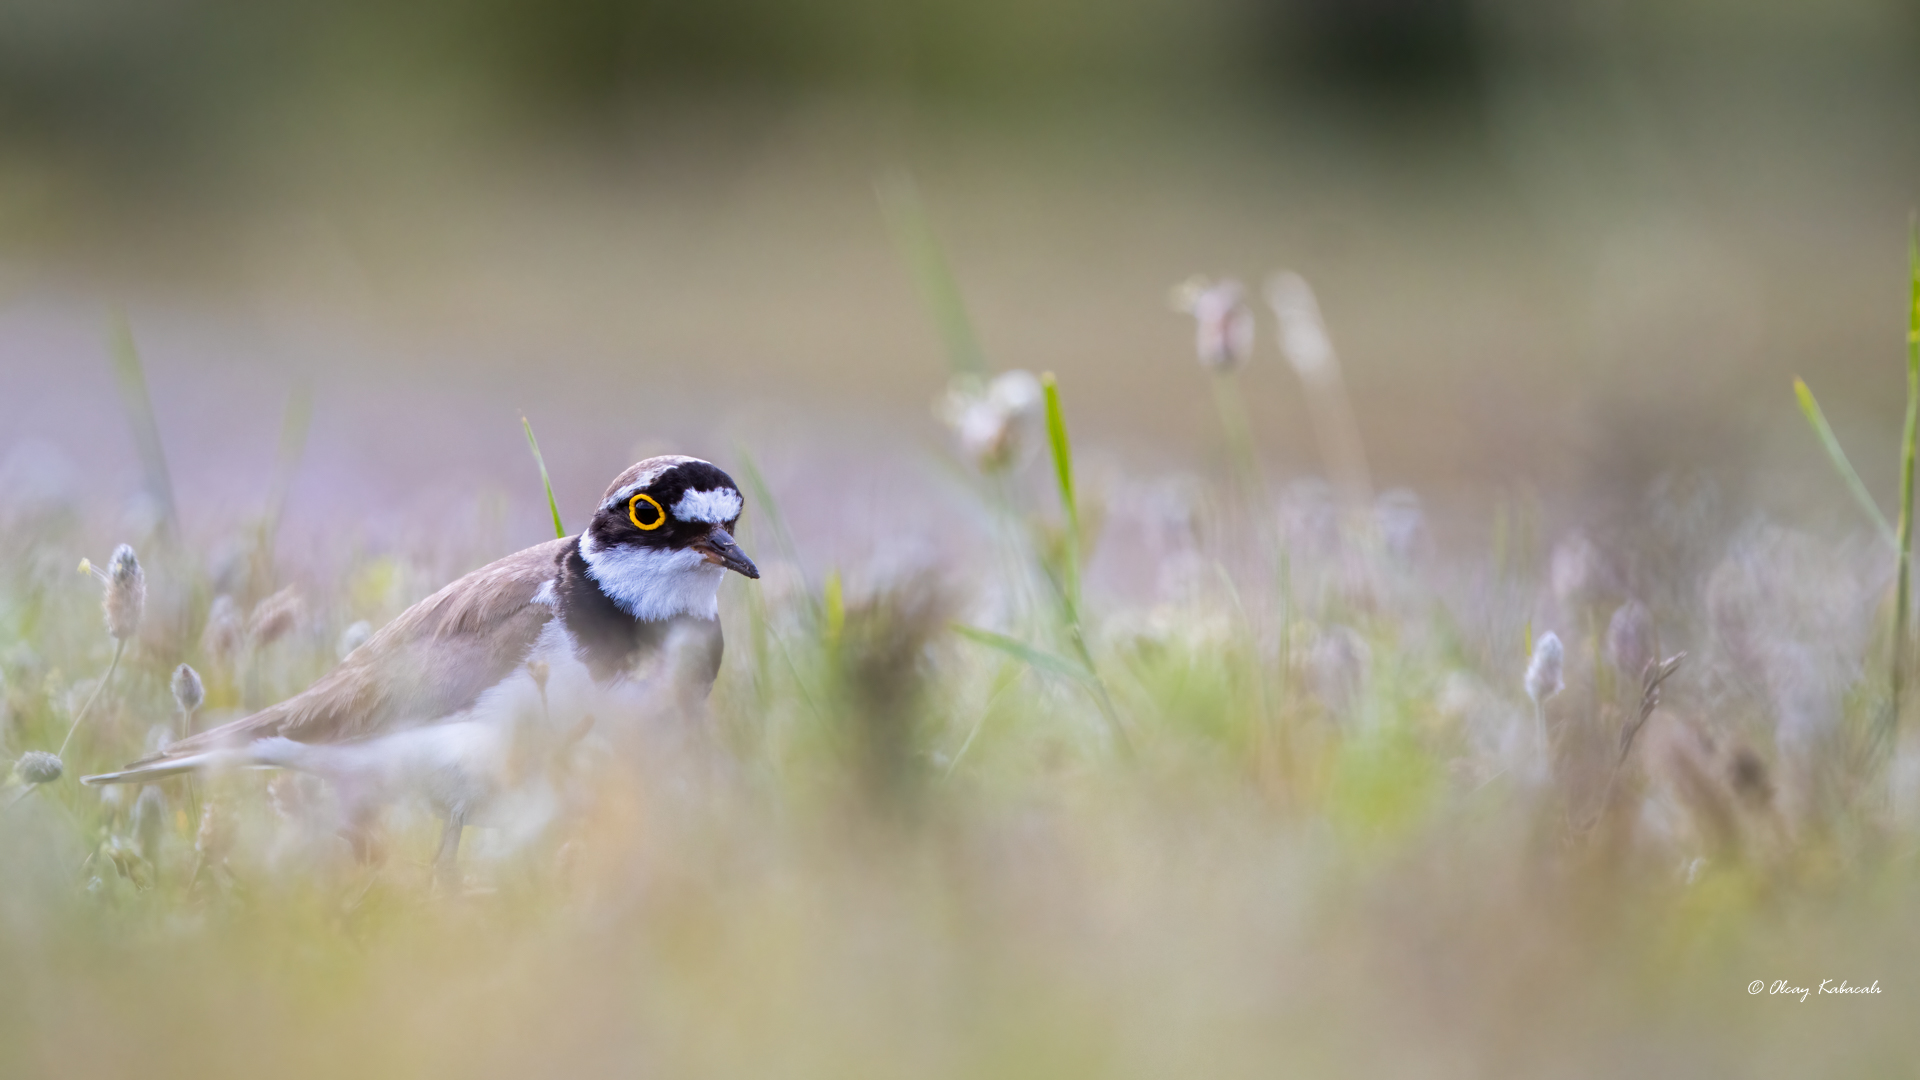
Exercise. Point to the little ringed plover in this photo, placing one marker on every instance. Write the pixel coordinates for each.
(621, 619)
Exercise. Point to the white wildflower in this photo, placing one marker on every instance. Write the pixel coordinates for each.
(996, 423)
(1578, 571)
(1545, 678)
(1630, 645)
(1545, 672)
(1223, 324)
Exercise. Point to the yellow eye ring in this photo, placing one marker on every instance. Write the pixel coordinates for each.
(633, 513)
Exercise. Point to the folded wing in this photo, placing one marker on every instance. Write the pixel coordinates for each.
(434, 661)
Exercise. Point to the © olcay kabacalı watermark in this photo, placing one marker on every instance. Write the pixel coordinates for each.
(1827, 986)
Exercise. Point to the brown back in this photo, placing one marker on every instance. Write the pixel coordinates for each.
(434, 660)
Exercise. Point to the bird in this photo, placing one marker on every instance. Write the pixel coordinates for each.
(444, 700)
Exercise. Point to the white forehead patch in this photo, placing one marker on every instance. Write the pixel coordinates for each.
(714, 507)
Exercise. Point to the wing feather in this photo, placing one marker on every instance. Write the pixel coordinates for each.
(433, 661)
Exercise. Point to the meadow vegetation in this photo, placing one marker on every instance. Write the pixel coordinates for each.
(1326, 803)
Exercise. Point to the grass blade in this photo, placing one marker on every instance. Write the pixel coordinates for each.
(1038, 659)
(1062, 448)
(833, 602)
(294, 424)
(932, 274)
(132, 379)
(1816, 419)
(1070, 587)
(768, 508)
(1239, 432)
(1904, 543)
(553, 505)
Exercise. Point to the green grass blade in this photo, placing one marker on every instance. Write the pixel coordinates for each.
(765, 504)
(1818, 421)
(1035, 658)
(932, 274)
(1904, 543)
(1913, 286)
(132, 379)
(553, 505)
(782, 539)
(833, 601)
(1062, 448)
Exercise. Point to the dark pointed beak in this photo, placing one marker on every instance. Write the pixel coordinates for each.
(718, 546)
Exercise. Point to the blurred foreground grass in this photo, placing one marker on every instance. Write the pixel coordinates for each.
(1289, 816)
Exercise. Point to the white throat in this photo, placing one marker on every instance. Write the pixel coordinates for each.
(654, 585)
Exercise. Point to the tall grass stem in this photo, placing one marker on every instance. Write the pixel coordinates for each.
(1810, 408)
(119, 647)
(1903, 587)
(1309, 349)
(131, 377)
(1062, 448)
(933, 276)
(553, 505)
(1232, 407)
(768, 510)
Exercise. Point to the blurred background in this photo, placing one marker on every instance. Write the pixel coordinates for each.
(1563, 248)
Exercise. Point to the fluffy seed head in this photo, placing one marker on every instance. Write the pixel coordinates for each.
(1222, 323)
(188, 691)
(1578, 571)
(39, 767)
(274, 616)
(1545, 675)
(995, 423)
(126, 595)
(225, 632)
(1630, 639)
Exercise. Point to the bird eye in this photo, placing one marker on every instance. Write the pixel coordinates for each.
(658, 516)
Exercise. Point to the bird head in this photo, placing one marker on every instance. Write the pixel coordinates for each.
(662, 537)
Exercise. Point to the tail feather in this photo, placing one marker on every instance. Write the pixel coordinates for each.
(158, 770)
(269, 753)
(230, 745)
